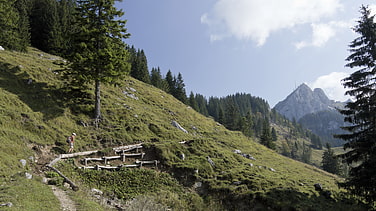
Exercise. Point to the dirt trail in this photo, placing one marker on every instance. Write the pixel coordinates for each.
(66, 203)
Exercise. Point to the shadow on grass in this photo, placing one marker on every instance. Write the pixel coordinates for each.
(40, 97)
(287, 199)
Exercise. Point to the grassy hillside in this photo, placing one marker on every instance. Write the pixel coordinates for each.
(36, 117)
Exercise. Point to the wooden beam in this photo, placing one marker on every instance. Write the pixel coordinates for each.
(133, 146)
(70, 182)
(77, 154)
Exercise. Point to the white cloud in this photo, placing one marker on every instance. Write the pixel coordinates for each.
(372, 7)
(332, 86)
(257, 19)
(323, 32)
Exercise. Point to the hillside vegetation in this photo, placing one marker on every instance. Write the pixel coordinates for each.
(38, 112)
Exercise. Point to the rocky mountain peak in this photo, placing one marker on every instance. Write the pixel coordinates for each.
(303, 101)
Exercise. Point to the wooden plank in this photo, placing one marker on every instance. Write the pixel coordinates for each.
(77, 154)
(127, 147)
(134, 154)
(94, 159)
(98, 167)
(54, 161)
(86, 167)
(147, 161)
(70, 182)
(112, 157)
(131, 165)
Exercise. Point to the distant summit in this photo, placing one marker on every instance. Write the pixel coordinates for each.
(304, 101)
(315, 111)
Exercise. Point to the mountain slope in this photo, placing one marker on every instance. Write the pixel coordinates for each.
(36, 117)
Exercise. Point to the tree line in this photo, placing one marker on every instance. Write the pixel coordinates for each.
(44, 24)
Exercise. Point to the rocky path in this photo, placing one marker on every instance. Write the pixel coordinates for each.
(66, 203)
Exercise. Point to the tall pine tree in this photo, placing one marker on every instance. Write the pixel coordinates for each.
(99, 54)
(361, 113)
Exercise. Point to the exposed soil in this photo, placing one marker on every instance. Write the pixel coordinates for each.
(66, 203)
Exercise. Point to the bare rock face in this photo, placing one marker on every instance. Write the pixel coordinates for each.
(304, 101)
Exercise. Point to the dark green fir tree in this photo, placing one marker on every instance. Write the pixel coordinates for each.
(99, 54)
(361, 113)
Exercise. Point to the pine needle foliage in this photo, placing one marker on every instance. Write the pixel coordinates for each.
(361, 113)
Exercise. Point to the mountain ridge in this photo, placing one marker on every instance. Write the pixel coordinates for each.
(315, 111)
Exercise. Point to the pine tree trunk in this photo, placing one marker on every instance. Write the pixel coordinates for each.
(97, 111)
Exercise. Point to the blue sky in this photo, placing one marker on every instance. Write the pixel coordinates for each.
(262, 47)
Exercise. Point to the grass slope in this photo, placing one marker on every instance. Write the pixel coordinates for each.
(36, 118)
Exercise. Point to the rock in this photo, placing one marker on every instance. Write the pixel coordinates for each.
(318, 187)
(237, 151)
(8, 204)
(175, 124)
(66, 185)
(250, 164)
(197, 185)
(210, 161)
(271, 169)
(131, 95)
(28, 176)
(96, 191)
(1, 48)
(237, 183)
(44, 180)
(23, 162)
(182, 156)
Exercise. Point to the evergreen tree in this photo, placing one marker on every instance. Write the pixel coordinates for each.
(247, 124)
(306, 154)
(274, 135)
(23, 8)
(361, 113)
(45, 26)
(10, 37)
(202, 104)
(99, 54)
(156, 79)
(170, 82)
(330, 162)
(139, 67)
(213, 108)
(232, 115)
(179, 89)
(193, 102)
(66, 10)
(221, 116)
(266, 136)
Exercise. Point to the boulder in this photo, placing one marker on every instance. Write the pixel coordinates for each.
(318, 187)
